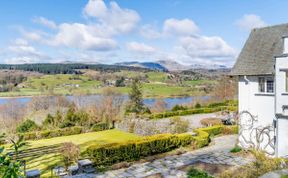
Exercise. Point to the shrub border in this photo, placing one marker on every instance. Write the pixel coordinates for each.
(108, 154)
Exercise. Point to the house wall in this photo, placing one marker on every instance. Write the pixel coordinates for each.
(281, 67)
(259, 105)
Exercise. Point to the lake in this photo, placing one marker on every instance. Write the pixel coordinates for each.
(82, 100)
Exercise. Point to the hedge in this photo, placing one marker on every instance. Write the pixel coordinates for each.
(191, 111)
(53, 133)
(112, 153)
(100, 127)
(63, 132)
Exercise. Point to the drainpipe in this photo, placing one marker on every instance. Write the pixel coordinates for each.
(246, 79)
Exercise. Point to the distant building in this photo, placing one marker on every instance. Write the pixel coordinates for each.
(262, 67)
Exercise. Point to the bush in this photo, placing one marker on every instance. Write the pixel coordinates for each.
(260, 166)
(180, 126)
(100, 127)
(198, 105)
(27, 126)
(178, 107)
(52, 133)
(195, 173)
(236, 149)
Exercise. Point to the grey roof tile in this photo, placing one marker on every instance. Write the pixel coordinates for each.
(257, 55)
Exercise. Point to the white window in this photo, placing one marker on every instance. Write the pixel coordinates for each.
(266, 84)
(270, 85)
(261, 84)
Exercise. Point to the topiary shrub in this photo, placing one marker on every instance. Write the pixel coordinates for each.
(27, 126)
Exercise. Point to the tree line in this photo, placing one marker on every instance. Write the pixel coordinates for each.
(61, 68)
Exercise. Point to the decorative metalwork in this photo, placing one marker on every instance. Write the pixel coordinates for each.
(255, 137)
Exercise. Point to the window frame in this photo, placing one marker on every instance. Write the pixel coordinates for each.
(264, 84)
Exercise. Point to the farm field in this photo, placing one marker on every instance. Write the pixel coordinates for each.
(157, 85)
(45, 159)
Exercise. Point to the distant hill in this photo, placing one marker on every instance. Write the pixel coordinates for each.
(169, 65)
(173, 65)
(207, 66)
(148, 65)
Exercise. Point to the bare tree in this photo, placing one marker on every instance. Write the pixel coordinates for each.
(159, 106)
(226, 88)
(70, 153)
(11, 114)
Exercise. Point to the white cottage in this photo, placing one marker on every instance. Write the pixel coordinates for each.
(262, 69)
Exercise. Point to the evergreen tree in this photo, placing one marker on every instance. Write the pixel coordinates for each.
(135, 96)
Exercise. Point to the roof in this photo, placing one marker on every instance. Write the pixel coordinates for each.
(257, 55)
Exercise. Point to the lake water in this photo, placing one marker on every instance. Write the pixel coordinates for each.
(82, 100)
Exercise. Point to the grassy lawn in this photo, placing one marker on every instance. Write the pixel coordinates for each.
(198, 82)
(48, 161)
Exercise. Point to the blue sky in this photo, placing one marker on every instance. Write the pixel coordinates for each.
(186, 31)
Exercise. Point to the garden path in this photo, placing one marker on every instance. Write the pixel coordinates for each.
(216, 153)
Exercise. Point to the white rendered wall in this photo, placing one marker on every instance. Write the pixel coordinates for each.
(281, 100)
(260, 105)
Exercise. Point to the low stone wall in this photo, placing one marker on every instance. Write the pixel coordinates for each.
(145, 127)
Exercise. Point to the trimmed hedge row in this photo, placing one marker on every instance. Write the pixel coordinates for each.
(109, 154)
(191, 111)
(53, 133)
(63, 132)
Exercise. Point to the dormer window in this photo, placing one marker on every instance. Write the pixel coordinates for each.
(266, 84)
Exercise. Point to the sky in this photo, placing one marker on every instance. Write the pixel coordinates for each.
(205, 32)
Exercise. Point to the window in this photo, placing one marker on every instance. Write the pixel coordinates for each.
(261, 84)
(270, 85)
(266, 84)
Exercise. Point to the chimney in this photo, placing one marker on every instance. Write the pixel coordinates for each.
(285, 44)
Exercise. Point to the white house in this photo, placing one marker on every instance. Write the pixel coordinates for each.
(262, 69)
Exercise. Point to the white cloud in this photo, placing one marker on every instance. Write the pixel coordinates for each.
(205, 50)
(45, 22)
(140, 48)
(180, 27)
(117, 19)
(97, 34)
(21, 46)
(80, 36)
(250, 21)
(20, 51)
(149, 32)
(206, 47)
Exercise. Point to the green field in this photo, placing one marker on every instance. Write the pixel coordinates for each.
(67, 84)
(199, 82)
(47, 161)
